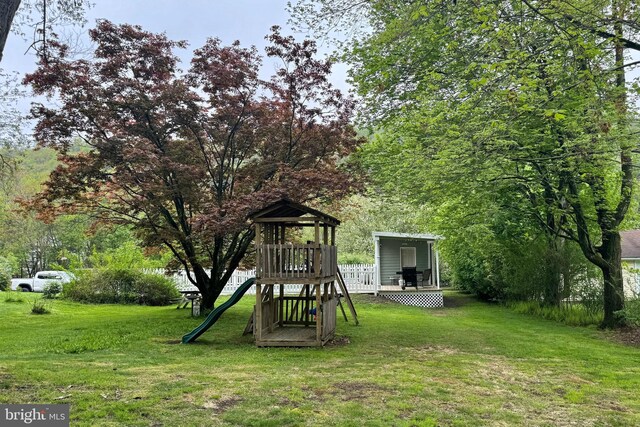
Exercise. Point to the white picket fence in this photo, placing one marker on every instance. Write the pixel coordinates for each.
(359, 278)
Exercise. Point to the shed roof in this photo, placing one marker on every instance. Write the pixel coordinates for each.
(630, 244)
(406, 235)
(287, 209)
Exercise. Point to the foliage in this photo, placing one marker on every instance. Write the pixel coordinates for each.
(5, 273)
(524, 104)
(12, 122)
(184, 157)
(40, 306)
(570, 314)
(41, 19)
(14, 297)
(630, 315)
(70, 242)
(120, 286)
(361, 216)
(355, 258)
(589, 294)
(52, 290)
(128, 255)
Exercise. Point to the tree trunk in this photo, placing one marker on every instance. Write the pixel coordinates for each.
(8, 10)
(211, 287)
(613, 284)
(552, 268)
(211, 293)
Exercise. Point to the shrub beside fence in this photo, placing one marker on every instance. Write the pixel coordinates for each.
(359, 278)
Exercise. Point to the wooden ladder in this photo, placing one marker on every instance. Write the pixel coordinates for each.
(249, 328)
(347, 297)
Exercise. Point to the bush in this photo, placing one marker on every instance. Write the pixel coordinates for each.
(154, 289)
(354, 258)
(39, 306)
(591, 295)
(51, 290)
(631, 312)
(5, 274)
(14, 297)
(573, 314)
(119, 286)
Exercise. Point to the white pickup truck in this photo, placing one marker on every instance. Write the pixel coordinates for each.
(37, 284)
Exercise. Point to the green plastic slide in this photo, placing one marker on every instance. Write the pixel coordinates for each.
(216, 313)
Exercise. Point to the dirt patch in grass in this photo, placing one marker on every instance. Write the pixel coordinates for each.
(338, 342)
(317, 394)
(221, 405)
(5, 381)
(348, 391)
(628, 336)
(357, 390)
(432, 349)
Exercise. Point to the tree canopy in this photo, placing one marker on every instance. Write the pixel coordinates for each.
(521, 103)
(42, 16)
(185, 156)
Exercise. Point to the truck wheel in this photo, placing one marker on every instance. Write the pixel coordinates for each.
(25, 288)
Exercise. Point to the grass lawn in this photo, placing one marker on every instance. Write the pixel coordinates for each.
(471, 364)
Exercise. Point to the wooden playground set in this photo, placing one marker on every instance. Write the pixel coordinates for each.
(279, 319)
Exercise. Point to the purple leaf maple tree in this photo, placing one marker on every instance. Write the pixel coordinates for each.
(183, 156)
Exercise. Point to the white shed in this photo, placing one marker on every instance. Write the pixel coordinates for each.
(407, 268)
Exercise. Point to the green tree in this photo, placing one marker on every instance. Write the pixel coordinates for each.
(37, 245)
(528, 97)
(362, 215)
(184, 157)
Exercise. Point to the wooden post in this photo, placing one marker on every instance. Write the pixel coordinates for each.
(281, 314)
(333, 235)
(258, 251)
(325, 234)
(318, 315)
(272, 308)
(306, 305)
(316, 253)
(437, 270)
(258, 319)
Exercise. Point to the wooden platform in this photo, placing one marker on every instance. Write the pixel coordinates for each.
(290, 336)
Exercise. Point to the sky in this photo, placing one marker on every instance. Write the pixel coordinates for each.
(192, 20)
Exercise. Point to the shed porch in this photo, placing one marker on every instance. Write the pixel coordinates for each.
(408, 268)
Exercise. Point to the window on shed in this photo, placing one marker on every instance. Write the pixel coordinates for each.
(407, 257)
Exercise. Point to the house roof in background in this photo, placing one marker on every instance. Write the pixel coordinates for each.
(406, 235)
(630, 244)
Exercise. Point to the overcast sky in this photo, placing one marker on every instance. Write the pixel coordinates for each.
(191, 20)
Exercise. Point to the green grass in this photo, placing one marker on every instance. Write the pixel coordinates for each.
(470, 365)
(574, 314)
